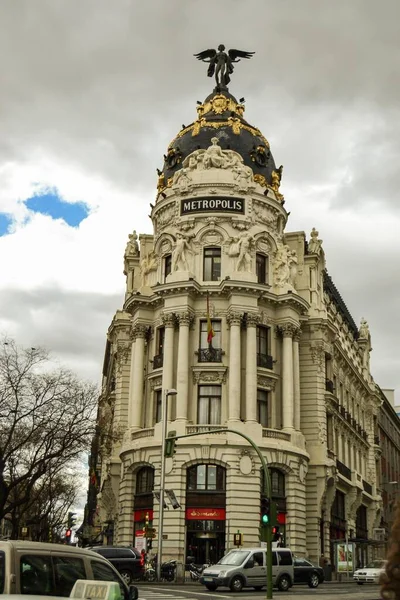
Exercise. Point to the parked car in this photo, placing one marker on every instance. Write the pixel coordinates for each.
(247, 567)
(306, 572)
(127, 560)
(38, 568)
(371, 573)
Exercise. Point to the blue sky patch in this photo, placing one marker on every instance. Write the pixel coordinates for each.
(49, 203)
(5, 222)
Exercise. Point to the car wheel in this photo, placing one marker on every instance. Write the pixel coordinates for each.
(126, 576)
(258, 588)
(284, 583)
(211, 587)
(313, 581)
(236, 584)
(360, 582)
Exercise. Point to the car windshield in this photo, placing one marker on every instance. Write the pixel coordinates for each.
(235, 557)
(376, 564)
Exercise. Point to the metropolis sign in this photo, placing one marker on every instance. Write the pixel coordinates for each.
(218, 204)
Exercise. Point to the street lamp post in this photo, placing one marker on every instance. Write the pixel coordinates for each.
(164, 417)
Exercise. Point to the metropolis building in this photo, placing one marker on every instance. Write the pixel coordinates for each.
(287, 365)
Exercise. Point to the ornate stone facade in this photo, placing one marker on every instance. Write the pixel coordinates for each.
(244, 324)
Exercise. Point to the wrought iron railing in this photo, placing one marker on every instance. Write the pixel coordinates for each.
(210, 354)
(264, 360)
(343, 470)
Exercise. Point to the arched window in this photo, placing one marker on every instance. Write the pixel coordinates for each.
(145, 480)
(206, 478)
(277, 483)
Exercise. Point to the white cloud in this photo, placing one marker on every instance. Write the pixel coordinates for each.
(90, 104)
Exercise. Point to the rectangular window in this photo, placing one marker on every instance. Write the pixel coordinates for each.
(158, 405)
(36, 575)
(209, 405)
(261, 268)
(262, 407)
(263, 341)
(67, 570)
(216, 340)
(212, 264)
(167, 265)
(159, 356)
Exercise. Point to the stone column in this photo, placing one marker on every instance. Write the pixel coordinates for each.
(234, 320)
(296, 378)
(169, 321)
(139, 332)
(185, 319)
(252, 321)
(287, 331)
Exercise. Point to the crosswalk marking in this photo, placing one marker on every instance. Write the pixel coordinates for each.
(168, 594)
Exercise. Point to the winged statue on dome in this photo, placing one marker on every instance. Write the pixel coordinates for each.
(221, 63)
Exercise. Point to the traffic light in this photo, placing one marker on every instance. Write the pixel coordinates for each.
(71, 520)
(68, 536)
(265, 511)
(275, 533)
(170, 445)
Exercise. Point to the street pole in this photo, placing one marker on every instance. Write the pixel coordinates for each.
(164, 418)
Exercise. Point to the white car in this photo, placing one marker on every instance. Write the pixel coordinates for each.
(371, 573)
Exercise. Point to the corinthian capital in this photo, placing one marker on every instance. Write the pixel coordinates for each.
(168, 319)
(287, 329)
(139, 330)
(234, 318)
(297, 334)
(252, 320)
(185, 318)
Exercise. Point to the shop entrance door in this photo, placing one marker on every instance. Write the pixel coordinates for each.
(205, 547)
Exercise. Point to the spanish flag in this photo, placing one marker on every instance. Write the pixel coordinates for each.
(210, 330)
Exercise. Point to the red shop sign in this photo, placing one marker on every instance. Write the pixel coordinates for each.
(205, 514)
(140, 515)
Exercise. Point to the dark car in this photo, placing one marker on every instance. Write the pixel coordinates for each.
(127, 560)
(306, 572)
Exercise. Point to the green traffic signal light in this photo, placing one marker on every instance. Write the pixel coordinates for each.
(265, 511)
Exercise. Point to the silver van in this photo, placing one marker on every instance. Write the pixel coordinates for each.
(247, 567)
(52, 569)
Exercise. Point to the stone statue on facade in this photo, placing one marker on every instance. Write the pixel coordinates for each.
(213, 156)
(314, 245)
(363, 331)
(132, 247)
(243, 176)
(221, 63)
(148, 264)
(241, 247)
(181, 250)
(182, 179)
(285, 266)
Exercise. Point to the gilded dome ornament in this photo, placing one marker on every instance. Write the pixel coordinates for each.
(221, 63)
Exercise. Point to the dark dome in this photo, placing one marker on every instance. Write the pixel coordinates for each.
(221, 116)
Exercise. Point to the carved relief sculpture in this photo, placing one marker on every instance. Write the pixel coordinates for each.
(243, 176)
(180, 253)
(132, 247)
(148, 264)
(241, 247)
(183, 180)
(285, 266)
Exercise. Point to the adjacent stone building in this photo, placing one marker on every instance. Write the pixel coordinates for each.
(286, 364)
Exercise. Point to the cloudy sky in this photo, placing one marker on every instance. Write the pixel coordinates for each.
(92, 92)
